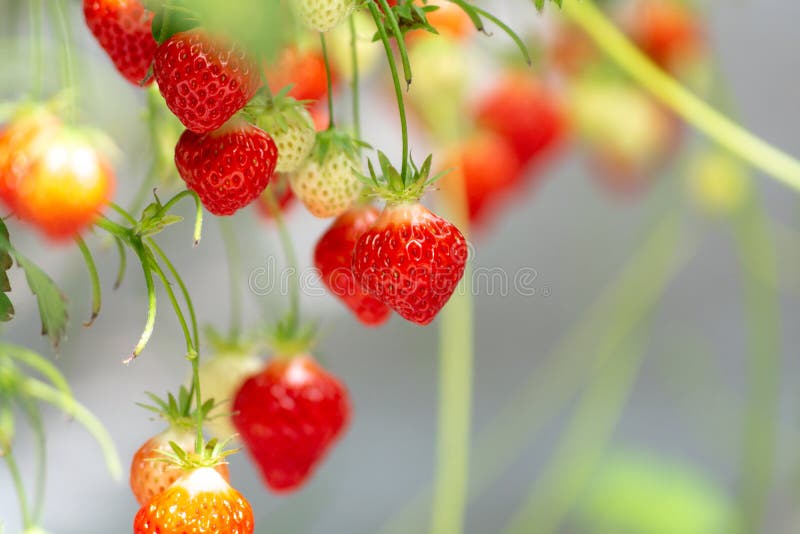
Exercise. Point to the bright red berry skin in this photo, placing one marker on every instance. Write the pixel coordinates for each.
(333, 256)
(288, 417)
(204, 80)
(525, 113)
(412, 260)
(228, 168)
(124, 30)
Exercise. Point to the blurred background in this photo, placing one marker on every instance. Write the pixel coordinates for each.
(638, 375)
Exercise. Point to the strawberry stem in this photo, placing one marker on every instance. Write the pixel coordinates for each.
(291, 260)
(401, 107)
(37, 47)
(712, 123)
(354, 82)
(328, 80)
(234, 257)
(93, 276)
(19, 487)
(184, 290)
(34, 415)
(69, 82)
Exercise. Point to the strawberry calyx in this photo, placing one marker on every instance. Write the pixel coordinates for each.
(288, 339)
(179, 412)
(171, 17)
(212, 454)
(276, 114)
(334, 140)
(230, 347)
(394, 186)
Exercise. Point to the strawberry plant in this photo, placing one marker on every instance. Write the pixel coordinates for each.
(408, 130)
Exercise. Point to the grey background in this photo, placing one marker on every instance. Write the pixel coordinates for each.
(686, 403)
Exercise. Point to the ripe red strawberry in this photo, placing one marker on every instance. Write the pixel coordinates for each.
(667, 31)
(304, 70)
(525, 113)
(204, 80)
(149, 475)
(228, 168)
(333, 256)
(288, 417)
(489, 169)
(124, 30)
(412, 260)
(200, 501)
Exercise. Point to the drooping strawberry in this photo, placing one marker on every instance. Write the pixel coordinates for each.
(524, 112)
(228, 168)
(333, 256)
(668, 31)
(200, 501)
(328, 182)
(204, 80)
(280, 190)
(412, 260)
(322, 16)
(66, 185)
(124, 30)
(489, 170)
(290, 125)
(289, 416)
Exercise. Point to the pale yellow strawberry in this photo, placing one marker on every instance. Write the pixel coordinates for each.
(327, 186)
(322, 15)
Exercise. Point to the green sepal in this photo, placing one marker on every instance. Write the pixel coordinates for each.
(393, 186)
(171, 17)
(276, 114)
(6, 262)
(335, 140)
(179, 412)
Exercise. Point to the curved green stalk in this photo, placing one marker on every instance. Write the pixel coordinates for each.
(97, 295)
(190, 347)
(34, 415)
(36, 16)
(19, 487)
(151, 302)
(39, 364)
(354, 82)
(70, 406)
(401, 106)
(757, 257)
(69, 81)
(696, 112)
(328, 80)
(399, 38)
(187, 297)
(234, 256)
(291, 259)
(123, 262)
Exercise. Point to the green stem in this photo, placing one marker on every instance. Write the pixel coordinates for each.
(354, 82)
(123, 262)
(190, 347)
(328, 79)
(234, 257)
(696, 112)
(401, 106)
(19, 487)
(757, 257)
(399, 38)
(61, 8)
(290, 257)
(138, 248)
(35, 418)
(37, 48)
(95, 279)
(187, 297)
(123, 212)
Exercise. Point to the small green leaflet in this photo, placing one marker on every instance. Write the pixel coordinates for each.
(52, 303)
(540, 3)
(6, 308)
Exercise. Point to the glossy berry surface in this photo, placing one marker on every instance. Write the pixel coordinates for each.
(288, 417)
(228, 168)
(412, 260)
(199, 502)
(124, 30)
(333, 256)
(149, 476)
(204, 80)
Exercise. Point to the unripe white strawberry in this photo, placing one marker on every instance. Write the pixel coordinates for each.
(327, 186)
(221, 376)
(322, 15)
(290, 125)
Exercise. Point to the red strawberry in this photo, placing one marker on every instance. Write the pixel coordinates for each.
(667, 31)
(412, 260)
(228, 168)
(150, 476)
(288, 417)
(123, 29)
(525, 113)
(199, 501)
(283, 196)
(204, 80)
(333, 256)
(489, 169)
(304, 70)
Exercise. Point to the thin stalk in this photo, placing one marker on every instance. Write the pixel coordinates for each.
(234, 257)
(190, 348)
(19, 487)
(151, 302)
(97, 295)
(759, 438)
(398, 90)
(399, 38)
(354, 82)
(716, 126)
(328, 79)
(123, 212)
(40, 439)
(35, 12)
(69, 80)
(291, 259)
(184, 289)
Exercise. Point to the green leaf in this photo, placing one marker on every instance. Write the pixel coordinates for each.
(6, 307)
(52, 302)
